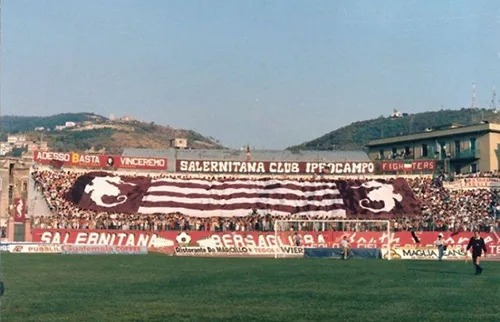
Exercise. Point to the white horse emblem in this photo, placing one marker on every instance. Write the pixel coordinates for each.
(380, 192)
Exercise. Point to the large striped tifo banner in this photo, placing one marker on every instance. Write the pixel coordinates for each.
(103, 191)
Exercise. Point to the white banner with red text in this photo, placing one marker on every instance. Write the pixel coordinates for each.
(288, 251)
(103, 250)
(473, 183)
(33, 248)
(75, 249)
(425, 252)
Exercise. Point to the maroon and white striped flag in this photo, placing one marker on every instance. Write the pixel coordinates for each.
(205, 198)
(228, 198)
(238, 197)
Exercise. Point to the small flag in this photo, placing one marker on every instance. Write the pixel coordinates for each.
(415, 237)
(408, 165)
(19, 210)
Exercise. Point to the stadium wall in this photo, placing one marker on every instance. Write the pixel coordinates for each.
(255, 243)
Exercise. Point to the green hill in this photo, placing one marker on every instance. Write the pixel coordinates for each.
(356, 135)
(96, 132)
(19, 124)
(92, 131)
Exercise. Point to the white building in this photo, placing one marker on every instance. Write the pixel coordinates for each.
(179, 143)
(5, 148)
(16, 139)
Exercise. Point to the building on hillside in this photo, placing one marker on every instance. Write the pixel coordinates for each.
(179, 143)
(16, 139)
(36, 146)
(5, 148)
(397, 114)
(13, 142)
(127, 118)
(457, 149)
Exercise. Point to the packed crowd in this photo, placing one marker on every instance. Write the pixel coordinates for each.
(442, 210)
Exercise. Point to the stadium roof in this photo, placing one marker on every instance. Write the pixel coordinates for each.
(260, 155)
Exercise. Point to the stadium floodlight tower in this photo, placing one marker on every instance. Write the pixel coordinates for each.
(284, 230)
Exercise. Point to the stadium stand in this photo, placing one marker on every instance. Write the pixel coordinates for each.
(443, 209)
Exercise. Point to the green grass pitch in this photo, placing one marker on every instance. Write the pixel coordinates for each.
(163, 288)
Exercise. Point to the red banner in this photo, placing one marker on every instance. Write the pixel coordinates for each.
(74, 159)
(402, 166)
(171, 239)
(275, 167)
(19, 210)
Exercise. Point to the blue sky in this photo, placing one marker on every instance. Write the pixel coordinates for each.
(266, 73)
